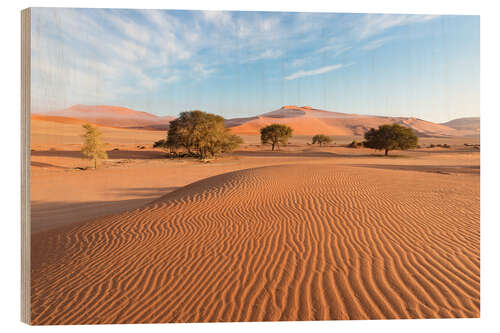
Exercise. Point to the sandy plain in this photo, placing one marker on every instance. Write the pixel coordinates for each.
(306, 233)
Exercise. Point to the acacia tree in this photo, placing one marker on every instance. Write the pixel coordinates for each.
(275, 134)
(93, 148)
(390, 137)
(200, 132)
(321, 139)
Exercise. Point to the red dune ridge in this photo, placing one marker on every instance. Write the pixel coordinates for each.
(309, 121)
(304, 120)
(116, 116)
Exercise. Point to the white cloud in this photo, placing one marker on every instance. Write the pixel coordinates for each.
(338, 49)
(201, 70)
(373, 24)
(131, 29)
(171, 79)
(256, 29)
(376, 43)
(129, 50)
(298, 62)
(268, 25)
(218, 18)
(116, 53)
(165, 22)
(267, 54)
(317, 71)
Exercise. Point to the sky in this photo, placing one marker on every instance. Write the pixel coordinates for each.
(240, 64)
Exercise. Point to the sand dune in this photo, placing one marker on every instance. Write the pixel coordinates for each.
(116, 116)
(289, 242)
(59, 119)
(310, 121)
(56, 130)
(468, 124)
(304, 120)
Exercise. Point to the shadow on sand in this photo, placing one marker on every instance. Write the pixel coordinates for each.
(441, 169)
(112, 154)
(46, 165)
(304, 154)
(50, 215)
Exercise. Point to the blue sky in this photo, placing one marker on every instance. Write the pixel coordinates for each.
(239, 64)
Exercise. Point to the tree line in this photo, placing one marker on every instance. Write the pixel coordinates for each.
(387, 137)
(205, 135)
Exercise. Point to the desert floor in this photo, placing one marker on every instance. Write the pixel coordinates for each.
(306, 233)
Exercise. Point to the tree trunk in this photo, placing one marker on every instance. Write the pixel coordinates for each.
(95, 163)
(386, 152)
(273, 146)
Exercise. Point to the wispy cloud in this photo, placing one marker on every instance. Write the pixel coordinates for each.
(267, 54)
(217, 17)
(202, 71)
(376, 43)
(374, 24)
(317, 71)
(131, 29)
(109, 55)
(338, 49)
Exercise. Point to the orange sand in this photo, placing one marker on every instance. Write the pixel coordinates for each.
(108, 115)
(275, 243)
(307, 233)
(310, 121)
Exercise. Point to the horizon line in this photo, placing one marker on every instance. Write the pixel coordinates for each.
(257, 115)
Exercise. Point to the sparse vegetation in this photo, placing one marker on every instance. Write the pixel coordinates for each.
(321, 139)
(201, 134)
(355, 144)
(390, 137)
(444, 145)
(275, 134)
(160, 144)
(93, 148)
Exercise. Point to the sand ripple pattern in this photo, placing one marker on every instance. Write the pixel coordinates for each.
(295, 242)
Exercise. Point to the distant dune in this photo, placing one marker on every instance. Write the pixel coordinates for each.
(113, 116)
(467, 124)
(294, 242)
(54, 130)
(58, 119)
(304, 120)
(310, 121)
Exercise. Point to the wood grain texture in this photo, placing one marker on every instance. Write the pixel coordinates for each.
(25, 164)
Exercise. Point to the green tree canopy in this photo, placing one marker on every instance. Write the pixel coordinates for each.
(275, 134)
(390, 137)
(321, 139)
(93, 148)
(202, 132)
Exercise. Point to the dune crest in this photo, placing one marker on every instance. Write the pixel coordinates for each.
(468, 124)
(306, 120)
(115, 116)
(290, 242)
